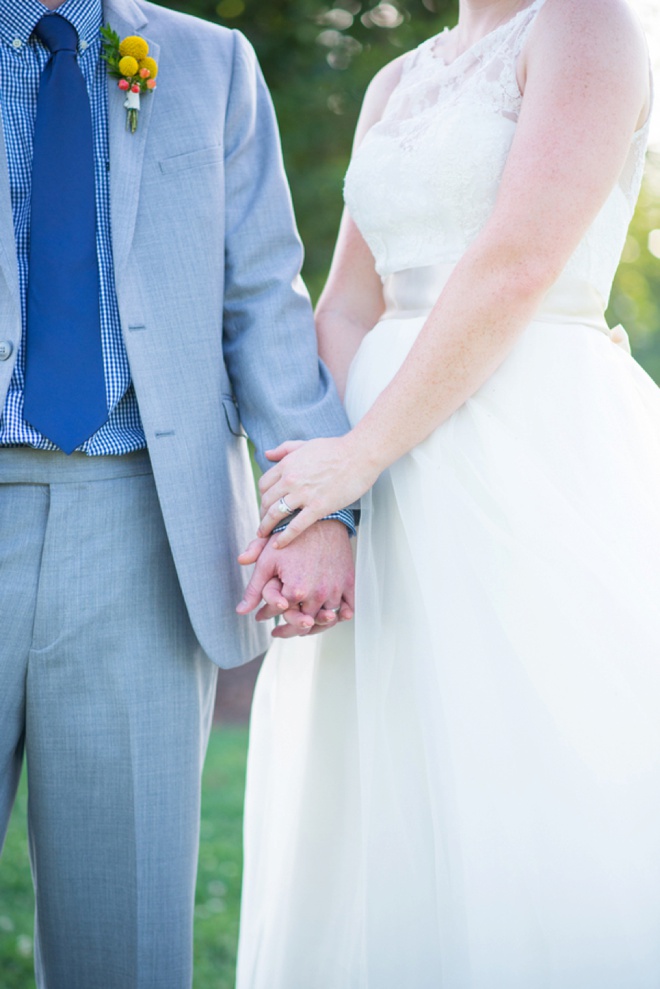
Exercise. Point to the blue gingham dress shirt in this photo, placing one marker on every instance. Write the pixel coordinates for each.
(22, 59)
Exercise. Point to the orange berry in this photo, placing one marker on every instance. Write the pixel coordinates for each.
(151, 64)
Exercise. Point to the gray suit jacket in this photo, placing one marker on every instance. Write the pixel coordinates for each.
(217, 324)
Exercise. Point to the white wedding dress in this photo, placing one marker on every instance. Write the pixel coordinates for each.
(461, 789)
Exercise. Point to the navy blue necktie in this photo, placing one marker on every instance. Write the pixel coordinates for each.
(64, 379)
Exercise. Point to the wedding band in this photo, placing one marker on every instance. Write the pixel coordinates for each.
(334, 610)
(284, 508)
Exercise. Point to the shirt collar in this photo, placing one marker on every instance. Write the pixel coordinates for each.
(18, 18)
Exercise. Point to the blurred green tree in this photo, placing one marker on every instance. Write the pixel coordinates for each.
(635, 300)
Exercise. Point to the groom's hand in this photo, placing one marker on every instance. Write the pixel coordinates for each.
(304, 583)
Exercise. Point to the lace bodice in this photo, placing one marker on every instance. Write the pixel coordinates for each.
(424, 180)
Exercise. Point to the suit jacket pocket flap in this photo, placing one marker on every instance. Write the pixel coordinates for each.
(232, 416)
(191, 159)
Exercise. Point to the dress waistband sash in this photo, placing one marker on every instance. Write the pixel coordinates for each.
(414, 291)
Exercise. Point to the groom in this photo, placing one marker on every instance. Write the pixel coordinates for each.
(150, 304)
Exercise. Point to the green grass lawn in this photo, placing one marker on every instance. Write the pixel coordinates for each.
(218, 882)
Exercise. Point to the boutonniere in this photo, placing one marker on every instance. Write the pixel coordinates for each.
(129, 62)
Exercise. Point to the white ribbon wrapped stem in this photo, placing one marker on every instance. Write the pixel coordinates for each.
(132, 100)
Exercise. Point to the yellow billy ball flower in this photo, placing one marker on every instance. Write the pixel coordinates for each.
(135, 46)
(128, 66)
(151, 64)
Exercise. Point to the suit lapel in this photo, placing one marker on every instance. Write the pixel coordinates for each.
(126, 149)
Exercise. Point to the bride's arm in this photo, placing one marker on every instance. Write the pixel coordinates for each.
(352, 299)
(351, 302)
(585, 74)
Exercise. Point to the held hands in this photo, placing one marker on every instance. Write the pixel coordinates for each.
(309, 585)
(305, 574)
(318, 477)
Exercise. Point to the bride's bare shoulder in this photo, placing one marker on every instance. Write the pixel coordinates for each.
(586, 40)
(386, 80)
(604, 26)
(378, 93)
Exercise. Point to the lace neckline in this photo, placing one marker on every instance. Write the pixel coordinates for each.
(434, 46)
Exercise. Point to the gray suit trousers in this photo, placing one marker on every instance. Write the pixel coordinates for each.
(105, 689)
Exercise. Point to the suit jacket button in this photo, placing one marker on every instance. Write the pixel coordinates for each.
(6, 349)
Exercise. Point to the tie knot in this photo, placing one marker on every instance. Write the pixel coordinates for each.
(57, 34)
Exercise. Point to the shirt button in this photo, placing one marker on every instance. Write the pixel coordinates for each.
(6, 349)
(17, 43)
(84, 45)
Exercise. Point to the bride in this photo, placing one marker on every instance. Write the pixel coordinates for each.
(462, 790)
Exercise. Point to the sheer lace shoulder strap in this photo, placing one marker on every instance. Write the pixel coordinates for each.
(415, 55)
(487, 68)
(523, 27)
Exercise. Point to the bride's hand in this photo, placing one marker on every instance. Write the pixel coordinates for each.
(318, 477)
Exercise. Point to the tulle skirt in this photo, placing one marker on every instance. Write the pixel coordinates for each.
(461, 788)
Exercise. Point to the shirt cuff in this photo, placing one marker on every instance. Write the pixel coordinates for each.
(345, 515)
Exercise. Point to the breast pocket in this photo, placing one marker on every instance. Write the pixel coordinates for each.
(191, 160)
(186, 193)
